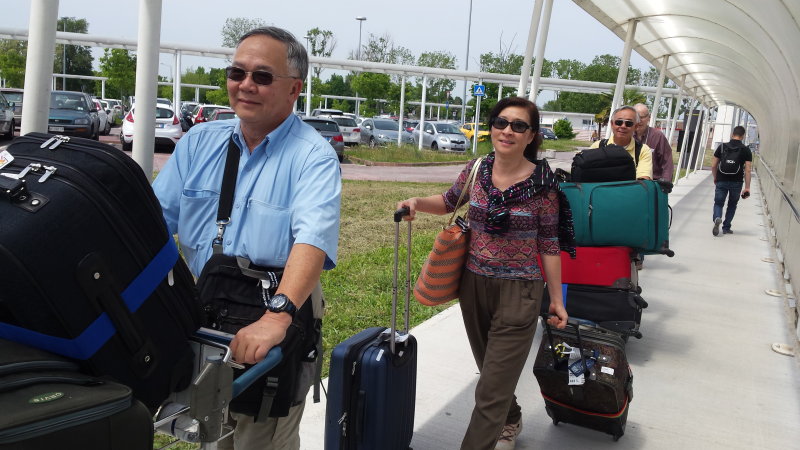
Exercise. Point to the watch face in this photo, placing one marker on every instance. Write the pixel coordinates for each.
(278, 302)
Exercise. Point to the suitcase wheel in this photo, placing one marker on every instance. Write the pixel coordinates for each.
(616, 437)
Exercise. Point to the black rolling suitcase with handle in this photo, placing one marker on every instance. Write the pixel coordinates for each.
(90, 271)
(49, 405)
(373, 382)
(584, 377)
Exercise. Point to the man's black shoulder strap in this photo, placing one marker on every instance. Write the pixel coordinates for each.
(637, 150)
(603, 143)
(228, 181)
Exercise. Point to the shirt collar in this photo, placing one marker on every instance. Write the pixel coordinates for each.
(627, 147)
(277, 134)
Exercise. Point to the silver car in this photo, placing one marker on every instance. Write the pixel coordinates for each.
(375, 132)
(349, 128)
(330, 131)
(441, 136)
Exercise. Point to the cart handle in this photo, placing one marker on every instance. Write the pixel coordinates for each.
(257, 371)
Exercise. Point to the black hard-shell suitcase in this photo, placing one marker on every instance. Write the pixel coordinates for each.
(373, 382)
(49, 405)
(601, 402)
(618, 310)
(89, 268)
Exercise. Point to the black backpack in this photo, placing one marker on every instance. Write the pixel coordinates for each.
(729, 163)
(605, 163)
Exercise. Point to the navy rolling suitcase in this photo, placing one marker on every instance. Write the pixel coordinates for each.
(90, 270)
(49, 405)
(372, 383)
(584, 377)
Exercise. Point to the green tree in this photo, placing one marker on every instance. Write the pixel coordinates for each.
(438, 88)
(120, 68)
(236, 27)
(372, 86)
(219, 96)
(322, 44)
(12, 62)
(73, 59)
(563, 129)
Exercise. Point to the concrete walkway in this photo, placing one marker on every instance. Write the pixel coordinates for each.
(704, 372)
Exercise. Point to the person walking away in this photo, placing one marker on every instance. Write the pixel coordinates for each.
(731, 169)
(284, 215)
(663, 165)
(516, 210)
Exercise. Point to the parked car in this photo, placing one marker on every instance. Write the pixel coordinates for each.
(185, 115)
(168, 128)
(441, 136)
(201, 113)
(103, 115)
(469, 131)
(326, 112)
(164, 101)
(329, 129)
(6, 118)
(14, 95)
(376, 132)
(547, 133)
(410, 124)
(222, 114)
(73, 113)
(117, 111)
(350, 130)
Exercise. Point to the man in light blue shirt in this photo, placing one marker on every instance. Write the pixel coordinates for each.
(286, 203)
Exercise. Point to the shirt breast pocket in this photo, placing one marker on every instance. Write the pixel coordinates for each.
(268, 233)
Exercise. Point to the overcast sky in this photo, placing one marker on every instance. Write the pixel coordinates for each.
(419, 25)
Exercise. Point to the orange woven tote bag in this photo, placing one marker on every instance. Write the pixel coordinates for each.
(440, 276)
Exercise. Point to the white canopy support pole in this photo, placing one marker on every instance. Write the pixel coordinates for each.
(669, 116)
(659, 88)
(422, 110)
(401, 115)
(197, 94)
(102, 88)
(39, 65)
(176, 84)
(499, 91)
(526, 62)
(308, 92)
(677, 110)
(149, 37)
(704, 141)
(681, 158)
(622, 75)
(541, 44)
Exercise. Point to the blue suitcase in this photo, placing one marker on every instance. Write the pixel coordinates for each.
(373, 382)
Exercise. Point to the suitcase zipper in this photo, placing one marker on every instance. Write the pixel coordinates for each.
(66, 421)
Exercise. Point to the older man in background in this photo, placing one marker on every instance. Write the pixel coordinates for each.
(663, 166)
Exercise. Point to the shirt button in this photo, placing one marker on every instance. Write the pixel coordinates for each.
(227, 242)
(238, 205)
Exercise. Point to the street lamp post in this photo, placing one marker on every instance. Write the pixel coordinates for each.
(360, 20)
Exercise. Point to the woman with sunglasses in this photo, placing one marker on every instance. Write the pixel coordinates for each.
(623, 125)
(516, 212)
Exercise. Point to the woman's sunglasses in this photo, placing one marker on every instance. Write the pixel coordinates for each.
(619, 122)
(517, 126)
(261, 77)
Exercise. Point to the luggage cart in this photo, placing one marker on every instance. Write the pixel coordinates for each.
(198, 414)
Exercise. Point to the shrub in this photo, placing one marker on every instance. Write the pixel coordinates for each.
(563, 129)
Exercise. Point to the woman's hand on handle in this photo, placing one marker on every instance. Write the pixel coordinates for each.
(411, 204)
(558, 315)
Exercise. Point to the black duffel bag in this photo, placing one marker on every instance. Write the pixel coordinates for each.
(605, 163)
(233, 295)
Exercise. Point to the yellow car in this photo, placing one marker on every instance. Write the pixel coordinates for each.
(468, 130)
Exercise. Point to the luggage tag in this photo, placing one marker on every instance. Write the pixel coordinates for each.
(5, 158)
(575, 372)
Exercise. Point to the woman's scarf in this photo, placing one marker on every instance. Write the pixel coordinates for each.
(500, 202)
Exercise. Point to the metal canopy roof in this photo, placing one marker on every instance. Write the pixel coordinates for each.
(740, 52)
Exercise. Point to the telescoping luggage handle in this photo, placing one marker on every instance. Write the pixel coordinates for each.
(398, 216)
(576, 323)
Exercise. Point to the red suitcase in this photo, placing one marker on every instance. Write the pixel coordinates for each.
(600, 266)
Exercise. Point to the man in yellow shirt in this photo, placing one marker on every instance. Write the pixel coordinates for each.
(623, 123)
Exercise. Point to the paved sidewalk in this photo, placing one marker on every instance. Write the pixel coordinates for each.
(704, 373)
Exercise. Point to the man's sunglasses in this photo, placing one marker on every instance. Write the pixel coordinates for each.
(517, 126)
(619, 122)
(261, 77)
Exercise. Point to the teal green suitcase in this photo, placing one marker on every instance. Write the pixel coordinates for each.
(622, 213)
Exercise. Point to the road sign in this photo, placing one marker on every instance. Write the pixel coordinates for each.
(478, 90)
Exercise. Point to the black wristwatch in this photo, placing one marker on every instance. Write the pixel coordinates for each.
(280, 303)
